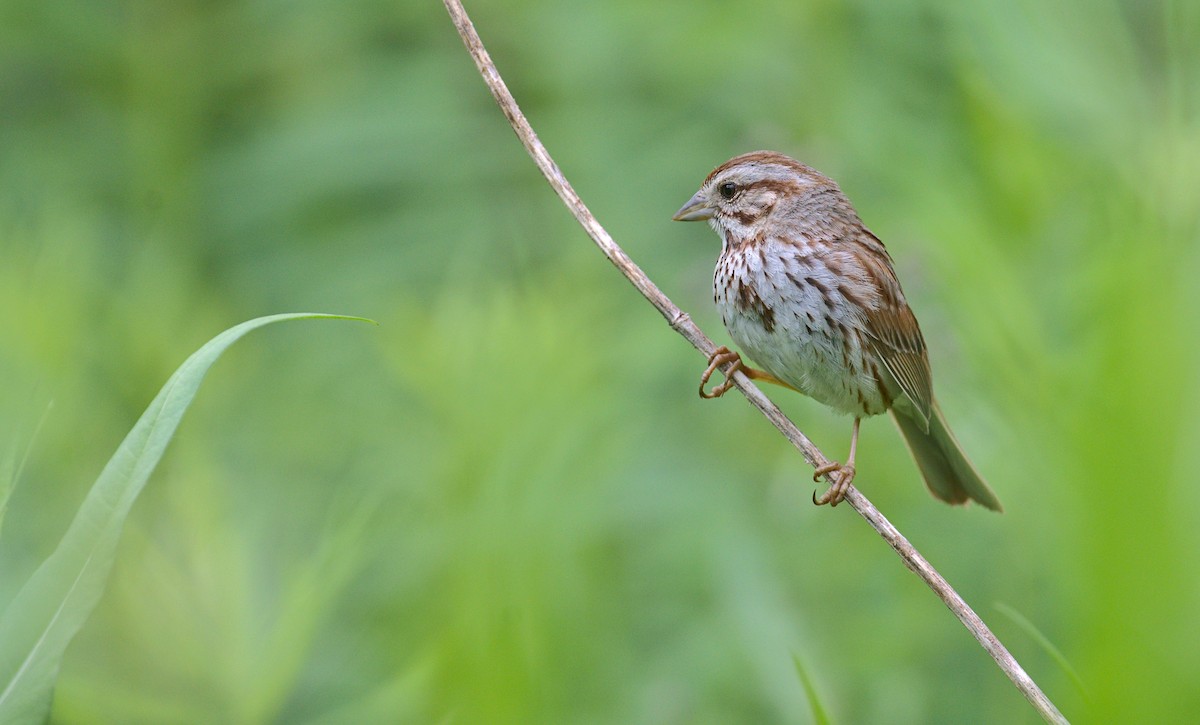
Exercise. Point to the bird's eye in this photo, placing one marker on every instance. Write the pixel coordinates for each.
(728, 189)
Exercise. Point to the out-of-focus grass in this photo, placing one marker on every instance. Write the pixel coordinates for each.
(43, 618)
(513, 507)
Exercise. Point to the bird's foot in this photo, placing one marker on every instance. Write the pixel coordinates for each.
(719, 357)
(842, 475)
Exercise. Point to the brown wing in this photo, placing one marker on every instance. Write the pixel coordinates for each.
(894, 335)
(896, 340)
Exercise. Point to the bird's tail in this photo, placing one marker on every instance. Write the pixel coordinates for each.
(947, 471)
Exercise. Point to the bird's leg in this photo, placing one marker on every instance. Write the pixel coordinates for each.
(723, 355)
(843, 474)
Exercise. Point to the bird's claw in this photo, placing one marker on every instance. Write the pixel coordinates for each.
(842, 476)
(719, 357)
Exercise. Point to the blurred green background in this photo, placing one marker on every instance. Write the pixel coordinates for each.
(506, 503)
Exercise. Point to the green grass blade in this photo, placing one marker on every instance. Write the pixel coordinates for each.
(8, 478)
(12, 465)
(820, 714)
(1045, 642)
(52, 606)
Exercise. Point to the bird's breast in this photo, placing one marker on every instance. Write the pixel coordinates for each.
(785, 310)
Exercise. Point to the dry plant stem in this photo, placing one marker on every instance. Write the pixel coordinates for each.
(682, 323)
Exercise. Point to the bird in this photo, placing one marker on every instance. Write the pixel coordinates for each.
(811, 296)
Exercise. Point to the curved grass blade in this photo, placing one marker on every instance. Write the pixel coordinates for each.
(820, 714)
(52, 606)
(12, 465)
(1035, 633)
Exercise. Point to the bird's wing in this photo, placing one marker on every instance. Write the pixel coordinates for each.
(896, 339)
(893, 333)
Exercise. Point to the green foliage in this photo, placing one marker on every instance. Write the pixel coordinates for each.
(1030, 629)
(48, 611)
(515, 509)
(819, 715)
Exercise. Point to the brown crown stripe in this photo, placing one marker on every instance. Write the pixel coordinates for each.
(766, 157)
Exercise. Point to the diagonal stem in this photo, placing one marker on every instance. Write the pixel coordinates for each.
(682, 323)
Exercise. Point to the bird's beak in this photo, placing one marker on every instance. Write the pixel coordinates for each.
(696, 209)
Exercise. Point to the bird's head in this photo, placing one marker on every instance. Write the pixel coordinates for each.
(740, 195)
